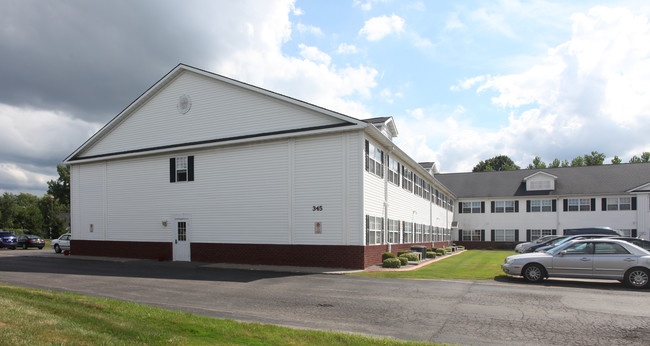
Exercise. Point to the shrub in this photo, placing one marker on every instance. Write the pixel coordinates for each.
(386, 255)
(441, 252)
(431, 254)
(460, 247)
(403, 260)
(449, 249)
(411, 256)
(391, 263)
(400, 253)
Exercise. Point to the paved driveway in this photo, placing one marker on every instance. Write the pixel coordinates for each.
(448, 311)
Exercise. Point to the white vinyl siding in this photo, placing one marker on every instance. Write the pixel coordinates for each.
(219, 110)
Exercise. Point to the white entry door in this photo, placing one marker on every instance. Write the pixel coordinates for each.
(181, 241)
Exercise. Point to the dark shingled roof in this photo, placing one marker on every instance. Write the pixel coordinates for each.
(588, 180)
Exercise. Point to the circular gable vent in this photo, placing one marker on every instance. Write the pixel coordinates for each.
(184, 104)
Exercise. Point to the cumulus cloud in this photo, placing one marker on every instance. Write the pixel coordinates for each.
(345, 48)
(309, 29)
(377, 28)
(589, 90)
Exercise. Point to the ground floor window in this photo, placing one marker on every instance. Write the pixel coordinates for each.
(407, 232)
(504, 235)
(628, 232)
(374, 229)
(472, 235)
(534, 234)
(393, 231)
(427, 233)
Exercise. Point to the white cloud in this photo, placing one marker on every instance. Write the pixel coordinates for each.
(314, 54)
(345, 48)
(589, 93)
(309, 29)
(377, 28)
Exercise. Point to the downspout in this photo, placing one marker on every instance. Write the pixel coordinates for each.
(386, 197)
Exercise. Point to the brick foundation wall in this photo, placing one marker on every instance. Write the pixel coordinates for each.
(124, 249)
(328, 256)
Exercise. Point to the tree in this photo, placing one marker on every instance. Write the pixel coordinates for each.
(555, 164)
(537, 163)
(616, 160)
(497, 163)
(595, 159)
(60, 188)
(645, 157)
(578, 161)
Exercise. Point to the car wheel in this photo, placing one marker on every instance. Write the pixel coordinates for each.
(534, 272)
(637, 278)
(40, 248)
(57, 248)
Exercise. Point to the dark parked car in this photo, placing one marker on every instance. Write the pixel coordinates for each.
(548, 243)
(592, 230)
(567, 239)
(28, 240)
(7, 239)
(636, 241)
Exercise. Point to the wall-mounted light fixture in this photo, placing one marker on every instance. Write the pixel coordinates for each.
(164, 223)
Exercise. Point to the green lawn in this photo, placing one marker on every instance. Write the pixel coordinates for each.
(38, 317)
(471, 264)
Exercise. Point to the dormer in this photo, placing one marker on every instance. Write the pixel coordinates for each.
(430, 167)
(540, 181)
(386, 125)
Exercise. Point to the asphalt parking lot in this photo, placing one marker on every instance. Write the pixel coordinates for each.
(465, 312)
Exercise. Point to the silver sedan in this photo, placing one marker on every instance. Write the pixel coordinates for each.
(600, 258)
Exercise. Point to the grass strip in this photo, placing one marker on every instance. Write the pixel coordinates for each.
(471, 264)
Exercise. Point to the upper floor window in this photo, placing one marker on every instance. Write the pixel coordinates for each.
(374, 160)
(426, 191)
(407, 179)
(417, 185)
(579, 204)
(181, 168)
(619, 203)
(472, 207)
(393, 171)
(505, 206)
(540, 205)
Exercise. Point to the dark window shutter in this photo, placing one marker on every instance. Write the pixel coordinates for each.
(492, 235)
(528, 206)
(367, 228)
(634, 233)
(172, 170)
(593, 204)
(554, 232)
(603, 204)
(554, 205)
(527, 235)
(381, 174)
(460, 207)
(483, 207)
(482, 235)
(516, 235)
(566, 204)
(460, 234)
(633, 203)
(492, 207)
(190, 168)
(367, 153)
(516, 206)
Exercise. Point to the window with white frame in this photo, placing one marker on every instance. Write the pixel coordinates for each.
(374, 160)
(504, 206)
(419, 230)
(417, 185)
(374, 229)
(407, 232)
(579, 204)
(504, 235)
(627, 232)
(472, 235)
(619, 203)
(393, 171)
(426, 191)
(538, 233)
(428, 233)
(471, 207)
(541, 205)
(393, 231)
(181, 168)
(407, 179)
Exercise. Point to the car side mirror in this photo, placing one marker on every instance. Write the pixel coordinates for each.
(562, 253)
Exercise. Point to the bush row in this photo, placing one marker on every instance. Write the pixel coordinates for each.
(389, 260)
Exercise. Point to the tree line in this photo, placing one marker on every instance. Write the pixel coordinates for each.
(46, 216)
(504, 163)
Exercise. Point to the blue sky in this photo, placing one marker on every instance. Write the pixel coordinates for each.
(464, 80)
